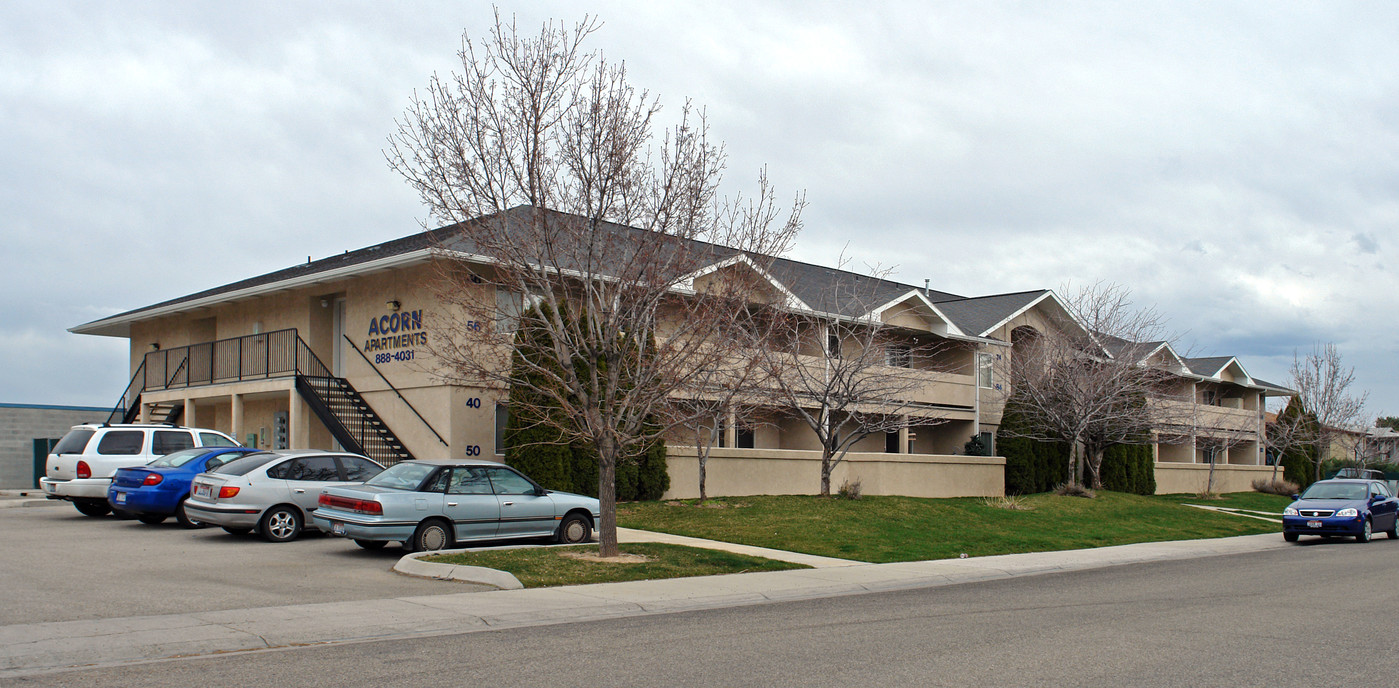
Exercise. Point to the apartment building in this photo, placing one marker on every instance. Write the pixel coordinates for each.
(334, 352)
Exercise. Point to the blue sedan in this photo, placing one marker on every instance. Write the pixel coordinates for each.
(1357, 508)
(157, 490)
(432, 505)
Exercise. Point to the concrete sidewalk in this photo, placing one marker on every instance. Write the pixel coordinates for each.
(10, 499)
(40, 647)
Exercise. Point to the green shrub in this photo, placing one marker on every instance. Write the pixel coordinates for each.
(1129, 468)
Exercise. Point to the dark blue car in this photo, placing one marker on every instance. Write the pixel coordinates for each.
(1357, 508)
(157, 490)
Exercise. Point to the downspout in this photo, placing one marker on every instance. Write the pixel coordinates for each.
(976, 368)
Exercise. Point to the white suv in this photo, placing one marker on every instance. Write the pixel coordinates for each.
(79, 469)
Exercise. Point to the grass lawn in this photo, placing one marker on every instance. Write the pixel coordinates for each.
(886, 529)
(539, 567)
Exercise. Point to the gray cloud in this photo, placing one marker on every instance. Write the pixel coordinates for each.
(1228, 162)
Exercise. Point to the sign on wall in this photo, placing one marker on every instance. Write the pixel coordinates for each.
(391, 337)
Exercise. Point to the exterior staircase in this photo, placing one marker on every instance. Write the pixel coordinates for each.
(349, 417)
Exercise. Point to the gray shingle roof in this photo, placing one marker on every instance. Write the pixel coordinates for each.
(977, 315)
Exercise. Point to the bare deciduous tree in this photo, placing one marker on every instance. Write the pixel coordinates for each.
(847, 378)
(1086, 380)
(1323, 385)
(566, 198)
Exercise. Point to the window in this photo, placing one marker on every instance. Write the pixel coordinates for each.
(508, 306)
(832, 343)
(470, 480)
(984, 365)
(898, 356)
(743, 437)
(502, 418)
(1209, 397)
(74, 442)
(508, 482)
(891, 442)
(169, 441)
(213, 439)
(310, 468)
(358, 469)
(122, 442)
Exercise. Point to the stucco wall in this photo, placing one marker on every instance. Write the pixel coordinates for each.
(1173, 478)
(738, 472)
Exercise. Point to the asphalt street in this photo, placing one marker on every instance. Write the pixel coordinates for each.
(1315, 614)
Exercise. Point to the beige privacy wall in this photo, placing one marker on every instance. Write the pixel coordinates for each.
(741, 472)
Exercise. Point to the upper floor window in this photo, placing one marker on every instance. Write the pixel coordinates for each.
(508, 307)
(832, 343)
(984, 368)
(898, 356)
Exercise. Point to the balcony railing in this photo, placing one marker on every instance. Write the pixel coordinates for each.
(280, 353)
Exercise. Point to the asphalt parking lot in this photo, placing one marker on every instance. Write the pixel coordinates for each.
(59, 565)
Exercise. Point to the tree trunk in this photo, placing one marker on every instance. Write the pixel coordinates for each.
(607, 495)
(703, 459)
(826, 473)
(1094, 457)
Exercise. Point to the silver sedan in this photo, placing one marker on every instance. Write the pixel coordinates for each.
(274, 492)
(431, 505)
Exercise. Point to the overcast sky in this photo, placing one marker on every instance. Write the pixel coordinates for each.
(1236, 165)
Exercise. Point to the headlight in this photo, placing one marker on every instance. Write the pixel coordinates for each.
(1289, 511)
(1347, 513)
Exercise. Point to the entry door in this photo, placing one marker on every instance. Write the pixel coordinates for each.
(337, 345)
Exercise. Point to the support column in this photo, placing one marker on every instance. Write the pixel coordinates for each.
(730, 431)
(190, 421)
(145, 416)
(296, 438)
(903, 438)
(237, 421)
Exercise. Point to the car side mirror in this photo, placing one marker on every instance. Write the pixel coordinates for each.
(540, 492)
(1296, 496)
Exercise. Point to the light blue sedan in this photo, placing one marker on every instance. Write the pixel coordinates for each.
(432, 505)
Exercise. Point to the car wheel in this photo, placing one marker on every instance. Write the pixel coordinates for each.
(237, 531)
(1290, 537)
(92, 507)
(372, 544)
(431, 536)
(184, 518)
(1365, 532)
(280, 524)
(151, 519)
(1393, 531)
(573, 530)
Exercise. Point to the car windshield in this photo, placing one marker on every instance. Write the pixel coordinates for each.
(402, 476)
(179, 458)
(1324, 490)
(245, 464)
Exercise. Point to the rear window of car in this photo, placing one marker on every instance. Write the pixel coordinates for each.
(358, 469)
(213, 439)
(246, 464)
(402, 476)
(121, 442)
(169, 441)
(177, 459)
(74, 442)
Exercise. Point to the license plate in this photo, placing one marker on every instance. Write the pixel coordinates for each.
(337, 528)
(201, 490)
(121, 498)
(1313, 524)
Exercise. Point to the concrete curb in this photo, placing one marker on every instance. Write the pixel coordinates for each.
(411, 565)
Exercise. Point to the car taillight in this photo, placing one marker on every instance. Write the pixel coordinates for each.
(359, 506)
(84, 470)
(225, 492)
(152, 479)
